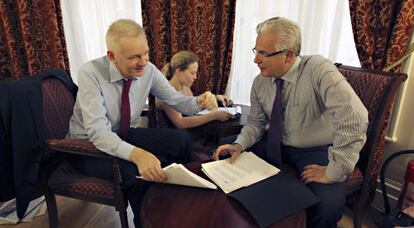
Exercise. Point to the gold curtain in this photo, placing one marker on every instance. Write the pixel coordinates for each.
(382, 29)
(31, 38)
(204, 27)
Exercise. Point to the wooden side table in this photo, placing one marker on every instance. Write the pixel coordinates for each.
(167, 205)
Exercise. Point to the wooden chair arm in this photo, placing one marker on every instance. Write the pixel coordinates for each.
(77, 146)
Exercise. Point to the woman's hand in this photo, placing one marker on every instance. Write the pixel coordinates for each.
(222, 115)
(223, 99)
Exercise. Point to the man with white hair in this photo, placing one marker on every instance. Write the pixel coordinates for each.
(112, 93)
(316, 121)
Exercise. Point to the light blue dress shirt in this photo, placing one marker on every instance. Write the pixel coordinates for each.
(96, 114)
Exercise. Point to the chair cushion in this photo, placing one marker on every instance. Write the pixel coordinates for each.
(68, 180)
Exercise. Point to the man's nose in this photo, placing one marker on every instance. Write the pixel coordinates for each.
(257, 59)
(142, 61)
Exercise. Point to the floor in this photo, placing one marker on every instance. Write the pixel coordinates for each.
(96, 215)
(347, 222)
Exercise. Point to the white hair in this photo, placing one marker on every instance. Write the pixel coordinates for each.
(288, 33)
(122, 28)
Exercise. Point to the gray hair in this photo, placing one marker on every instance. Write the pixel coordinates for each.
(122, 28)
(288, 33)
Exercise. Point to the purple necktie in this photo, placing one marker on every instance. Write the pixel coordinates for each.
(125, 109)
(274, 134)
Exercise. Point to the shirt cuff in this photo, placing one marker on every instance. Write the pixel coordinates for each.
(335, 173)
(242, 143)
(194, 104)
(124, 150)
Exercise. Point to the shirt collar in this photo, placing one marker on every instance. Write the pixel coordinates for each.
(292, 75)
(114, 74)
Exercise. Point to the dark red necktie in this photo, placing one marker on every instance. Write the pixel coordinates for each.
(274, 134)
(125, 110)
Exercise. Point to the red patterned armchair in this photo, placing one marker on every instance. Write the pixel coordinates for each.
(377, 90)
(65, 180)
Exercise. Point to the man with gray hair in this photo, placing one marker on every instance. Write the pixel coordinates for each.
(112, 92)
(316, 122)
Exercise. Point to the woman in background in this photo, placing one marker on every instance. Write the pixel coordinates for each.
(181, 71)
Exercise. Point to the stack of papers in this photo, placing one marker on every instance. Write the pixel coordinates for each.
(247, 170)
(235, 111)
(178, 174)
(8, 212)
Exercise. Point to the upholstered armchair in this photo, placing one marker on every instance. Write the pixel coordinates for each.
(65, 180)
(377, 90)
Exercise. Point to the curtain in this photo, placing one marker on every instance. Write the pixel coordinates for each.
(204, 27)
(326, 30)
(383, 29)
(31, 38)
(86, 23)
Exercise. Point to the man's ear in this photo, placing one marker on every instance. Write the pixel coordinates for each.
(110, 55)
(290, 56)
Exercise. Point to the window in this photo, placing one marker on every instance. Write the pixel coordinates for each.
(85, 24)
(326, 30)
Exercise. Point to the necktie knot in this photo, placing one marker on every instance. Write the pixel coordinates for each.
(127, 84)
(279, 83)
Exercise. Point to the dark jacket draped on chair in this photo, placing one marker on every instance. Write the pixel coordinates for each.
(22, 136)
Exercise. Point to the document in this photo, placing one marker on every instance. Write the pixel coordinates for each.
(247, 170)
(8, 212)
(235, 111)
(179, 175)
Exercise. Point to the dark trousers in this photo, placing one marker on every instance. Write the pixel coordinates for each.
(169, 145)
(332, 196)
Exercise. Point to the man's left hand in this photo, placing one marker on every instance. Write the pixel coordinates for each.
(207, 100)
(315, 173)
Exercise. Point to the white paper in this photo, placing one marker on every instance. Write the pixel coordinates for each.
(248, 169)
(233, 110)
(179, 175)
(8, 213)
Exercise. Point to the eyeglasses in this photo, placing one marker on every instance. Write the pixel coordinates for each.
(265, 54)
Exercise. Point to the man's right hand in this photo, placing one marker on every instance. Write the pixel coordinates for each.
(207, 100)
(233, 149)
(148, 165)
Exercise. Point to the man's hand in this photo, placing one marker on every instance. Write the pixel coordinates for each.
(233, 149)
(207, 100)
(148, 165)
(315, 173)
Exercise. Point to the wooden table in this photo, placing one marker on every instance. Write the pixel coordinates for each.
(167, 205)
(228, 127)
